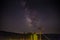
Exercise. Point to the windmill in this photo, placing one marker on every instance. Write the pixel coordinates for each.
(41, 32)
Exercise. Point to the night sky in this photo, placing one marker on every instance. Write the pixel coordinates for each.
(29, 15)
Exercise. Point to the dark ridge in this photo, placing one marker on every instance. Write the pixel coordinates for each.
(4, 33)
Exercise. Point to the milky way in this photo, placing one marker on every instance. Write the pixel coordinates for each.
(29, 15)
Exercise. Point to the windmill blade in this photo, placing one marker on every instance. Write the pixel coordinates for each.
(46, 37)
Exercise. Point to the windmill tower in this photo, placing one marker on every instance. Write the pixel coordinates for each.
(40, 29)
(41, 32)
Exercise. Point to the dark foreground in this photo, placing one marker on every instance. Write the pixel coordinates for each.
(19, 36)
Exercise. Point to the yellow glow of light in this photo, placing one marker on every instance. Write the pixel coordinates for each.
(35, 37)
